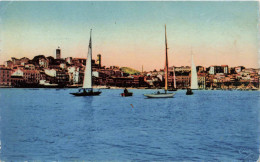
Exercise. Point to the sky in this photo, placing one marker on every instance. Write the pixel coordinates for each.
(132, 33)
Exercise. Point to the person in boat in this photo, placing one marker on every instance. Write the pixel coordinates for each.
(84, 90)
(158, 92)
(125, 91)
(189, 91)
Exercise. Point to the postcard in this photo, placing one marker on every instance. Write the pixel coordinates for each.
(129, 81)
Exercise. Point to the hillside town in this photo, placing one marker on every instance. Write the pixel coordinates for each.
(50, 72)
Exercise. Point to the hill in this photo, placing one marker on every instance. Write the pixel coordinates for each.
(129, 70)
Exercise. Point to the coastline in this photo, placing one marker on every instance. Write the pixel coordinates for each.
(113, 87)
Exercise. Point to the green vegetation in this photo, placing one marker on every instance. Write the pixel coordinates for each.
(129, 70)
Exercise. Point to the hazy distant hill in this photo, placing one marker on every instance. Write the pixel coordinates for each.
(129, 70)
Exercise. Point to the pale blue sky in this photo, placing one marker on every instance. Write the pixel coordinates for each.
(132, 33)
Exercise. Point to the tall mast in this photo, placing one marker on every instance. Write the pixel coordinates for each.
(90, 47)
(166, 61)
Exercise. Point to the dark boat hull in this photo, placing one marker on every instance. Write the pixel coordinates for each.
(126, 94)
(189, 92)
(86, 93)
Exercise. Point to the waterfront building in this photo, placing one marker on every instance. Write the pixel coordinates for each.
(79, 61)
(73, 73)
(239, 69)
(29, 66)
(200, 69)
(17, 81)
(25, 77)
(5, 77)
(50, 72)
(63, 66)
(31, 76)
(139, 81)
(16, 61)
(148, 80)
(95, 74)
(225, 69)
(160, 76)
(183, 69)
(202, 80)
(219, 69)
(212, 70)
(43, 62)
(17, 73)
(24, 60)
(183, 81)
(68, 60)
(8, 64)
(215, 69)
(121, 81)
(62, 78)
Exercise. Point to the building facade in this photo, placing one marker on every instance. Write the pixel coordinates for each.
(5, 77)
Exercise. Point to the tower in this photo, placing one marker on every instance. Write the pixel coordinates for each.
(99, 60)
(58, 53)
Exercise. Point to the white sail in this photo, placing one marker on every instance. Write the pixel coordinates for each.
(88, 69)
(194, 77)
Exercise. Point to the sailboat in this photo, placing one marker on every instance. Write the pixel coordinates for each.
(165, 94)
(194, 78)
(87, 89)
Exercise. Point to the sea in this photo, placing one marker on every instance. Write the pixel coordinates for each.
(53, 125)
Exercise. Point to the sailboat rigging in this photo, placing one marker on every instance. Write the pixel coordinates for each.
(165, 94)
(87, 89)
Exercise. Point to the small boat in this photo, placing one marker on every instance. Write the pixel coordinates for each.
(87, 89)
(160, 95)
(165, 94)
(189, 92)
(127, 94)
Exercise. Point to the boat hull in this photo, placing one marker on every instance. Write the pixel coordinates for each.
(189, 93)
(86, 93)
(126, 94)
(161, 95)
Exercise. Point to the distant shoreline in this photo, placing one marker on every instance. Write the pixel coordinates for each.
(143, 88)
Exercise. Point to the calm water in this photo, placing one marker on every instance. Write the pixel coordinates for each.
(51, 124)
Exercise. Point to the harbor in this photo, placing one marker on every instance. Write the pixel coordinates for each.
(224, 127)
